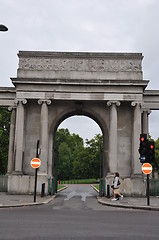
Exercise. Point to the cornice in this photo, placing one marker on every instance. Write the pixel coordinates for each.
(80, 55)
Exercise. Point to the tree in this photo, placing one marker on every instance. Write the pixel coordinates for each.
(64, 164)
(87, 164)
(4, 138)
(66, 151)
(156, 164)
(95, 147)
(73, 160)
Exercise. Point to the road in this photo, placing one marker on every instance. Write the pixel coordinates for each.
(76, 214)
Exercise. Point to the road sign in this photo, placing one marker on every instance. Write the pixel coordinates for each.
(35, 163)
(146, 168)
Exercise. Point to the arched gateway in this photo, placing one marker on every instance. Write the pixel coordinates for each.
(51, 86)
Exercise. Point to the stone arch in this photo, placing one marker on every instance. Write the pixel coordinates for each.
(76, 109)
(98, 85)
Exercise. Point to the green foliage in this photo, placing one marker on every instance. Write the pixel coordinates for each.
(80, 181)
(4, 138)
(73, 159)
(156, 164)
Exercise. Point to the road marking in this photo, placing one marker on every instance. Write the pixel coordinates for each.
(83, 195)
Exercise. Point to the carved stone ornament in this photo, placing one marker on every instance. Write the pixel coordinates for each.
(41, 101)
(133, 104)
(23, 101)
(147, 111)
(10, 108)
(93, 65)
(79, 106)
(117, 103)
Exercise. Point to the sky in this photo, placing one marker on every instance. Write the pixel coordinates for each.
(82, 25)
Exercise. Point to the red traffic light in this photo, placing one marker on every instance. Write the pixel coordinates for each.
(142, 139)
(152, 146)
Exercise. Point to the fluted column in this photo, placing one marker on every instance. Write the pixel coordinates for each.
(11, 139)
(112, 153)
(44, 135)
(19, 135)
(136, 165)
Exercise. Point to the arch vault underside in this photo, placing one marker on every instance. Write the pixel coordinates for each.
(51, 86)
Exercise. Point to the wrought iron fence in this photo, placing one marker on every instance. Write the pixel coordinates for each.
(3, 183)
(154, 187)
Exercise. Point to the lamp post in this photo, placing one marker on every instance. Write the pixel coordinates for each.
(3, 28)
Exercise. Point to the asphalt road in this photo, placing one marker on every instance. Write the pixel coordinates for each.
(76, 214)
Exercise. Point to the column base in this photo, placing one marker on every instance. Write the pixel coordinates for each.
(24, 184)
(130, 186)
(17, 173)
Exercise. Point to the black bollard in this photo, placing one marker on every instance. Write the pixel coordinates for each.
(108, 191)
(43, 190)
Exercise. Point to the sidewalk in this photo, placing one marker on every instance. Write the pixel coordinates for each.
(7, 200)
(132, 202)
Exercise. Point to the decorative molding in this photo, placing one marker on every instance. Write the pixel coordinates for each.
(148, 111)
(10, 108)
(80, 64)
(41, 101)
(23, 101)
(134, 104)
(117, 103)
(79, 106)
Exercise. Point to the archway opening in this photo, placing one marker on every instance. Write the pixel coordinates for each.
(153, 124)
(78, 150)
(84, 126)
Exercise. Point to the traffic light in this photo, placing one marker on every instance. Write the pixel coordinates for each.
(143, 148)
(151, 152)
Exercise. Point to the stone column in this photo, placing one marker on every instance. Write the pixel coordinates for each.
(145, 128)
(136, 165)
(112, 152)
(44, 135)
(19, 138)
(11, 140)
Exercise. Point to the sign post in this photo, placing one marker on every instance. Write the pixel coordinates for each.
(35, 163)
(147, 169)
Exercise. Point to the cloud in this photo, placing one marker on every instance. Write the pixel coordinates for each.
(85, 127)
(80, 25)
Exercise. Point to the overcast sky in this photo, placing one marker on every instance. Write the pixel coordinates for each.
(82, 25)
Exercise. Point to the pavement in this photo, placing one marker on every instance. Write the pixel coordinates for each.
(8, 200)
(132, 203)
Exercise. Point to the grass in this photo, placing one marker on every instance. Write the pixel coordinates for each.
(96, 186)
(79, 181)
(60, 186)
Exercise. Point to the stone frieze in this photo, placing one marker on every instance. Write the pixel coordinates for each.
(90, 65)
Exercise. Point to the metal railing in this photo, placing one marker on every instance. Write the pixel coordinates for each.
(3, 183)
(154, 187)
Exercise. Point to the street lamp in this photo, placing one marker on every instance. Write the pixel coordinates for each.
(3, 28)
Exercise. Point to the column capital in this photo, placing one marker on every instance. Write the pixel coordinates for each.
(134, 104)
(110, 103)
(10, 108)
(146, 110)
(41, 101)
(23, 101)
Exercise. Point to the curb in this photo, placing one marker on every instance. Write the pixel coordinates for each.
(94, 188)
(33, 203)
(120, 205)
(27, 204)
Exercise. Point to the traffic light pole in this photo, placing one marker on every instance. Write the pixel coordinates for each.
(147, 155)
(148, 191)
